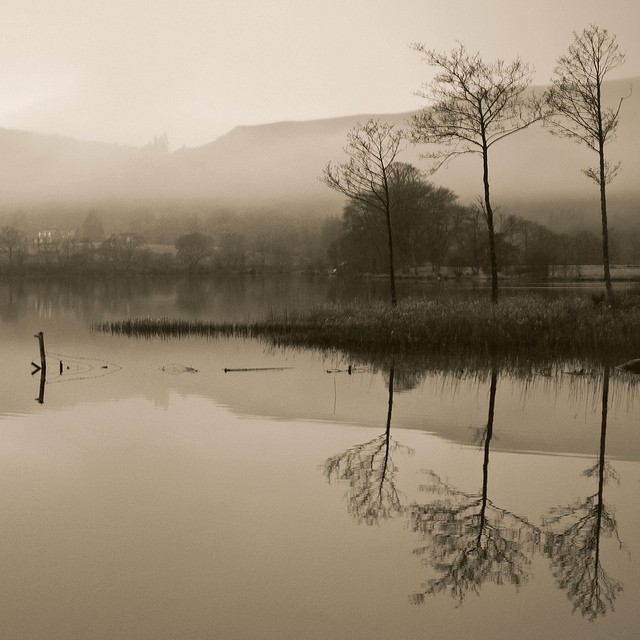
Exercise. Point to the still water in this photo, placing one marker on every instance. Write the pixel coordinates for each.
(146, 493)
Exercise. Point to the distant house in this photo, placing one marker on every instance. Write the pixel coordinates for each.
(53, 244)
(52, 237)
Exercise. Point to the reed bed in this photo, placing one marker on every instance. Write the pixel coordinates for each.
(522, 327)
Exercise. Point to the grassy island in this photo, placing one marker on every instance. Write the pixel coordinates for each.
(525, 327)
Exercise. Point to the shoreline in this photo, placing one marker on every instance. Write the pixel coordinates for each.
(530, 328)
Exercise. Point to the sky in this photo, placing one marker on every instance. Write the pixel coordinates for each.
(124, 71)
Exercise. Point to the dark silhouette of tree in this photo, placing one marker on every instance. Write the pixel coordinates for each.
(473, 106)
(539, 247)
(13, 243)
(471, 540)
(192, 248)
(410, 193)
(573, 544)
(361, 247)
(577, 110)
(468, 241)
(122, 249)
(371, 473)
(426, 219)
(372, 149)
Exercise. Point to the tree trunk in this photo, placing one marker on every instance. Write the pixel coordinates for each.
(492, 240)
(601, 464)
(476, 253)
(487, 445)
(605, 230)
(392, 274)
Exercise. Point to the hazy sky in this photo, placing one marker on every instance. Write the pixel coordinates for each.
(126, 70)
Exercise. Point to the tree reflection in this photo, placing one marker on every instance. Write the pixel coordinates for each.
(192, 295)
(371, 473)
(471, 540)
(573, 542)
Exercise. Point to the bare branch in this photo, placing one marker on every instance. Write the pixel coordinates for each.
(364, 178)
(472, 106)
(576, 110)
(575, 104)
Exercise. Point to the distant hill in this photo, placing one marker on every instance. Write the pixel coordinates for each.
(37, 168)
(278, 164)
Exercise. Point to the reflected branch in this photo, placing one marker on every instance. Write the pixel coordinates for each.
(573, 544)
(41, 388)
(471, 540)
(371, 473)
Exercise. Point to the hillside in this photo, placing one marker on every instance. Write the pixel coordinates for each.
(278, 164)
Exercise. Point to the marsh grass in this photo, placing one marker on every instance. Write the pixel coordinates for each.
(520, 328)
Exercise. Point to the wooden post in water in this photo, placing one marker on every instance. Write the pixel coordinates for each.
(43, 366)
(43, 381)
(43, 355)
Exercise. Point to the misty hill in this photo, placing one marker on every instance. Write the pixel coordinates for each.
(278, 165)
(36, 168)
(279, 162)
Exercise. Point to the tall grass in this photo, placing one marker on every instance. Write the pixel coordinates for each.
(522, 327)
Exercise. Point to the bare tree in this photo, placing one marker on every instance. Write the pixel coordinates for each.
(121, 249)
(473, 105)
(577, 110)
(13, 242)
(372, 148)
(192, 248)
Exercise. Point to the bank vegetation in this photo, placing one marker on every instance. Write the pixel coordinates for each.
(524, 328)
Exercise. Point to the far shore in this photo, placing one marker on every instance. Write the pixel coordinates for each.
(572, 274)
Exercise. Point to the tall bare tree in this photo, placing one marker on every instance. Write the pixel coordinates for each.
(472, 106)
(577, 110)
(372, 149)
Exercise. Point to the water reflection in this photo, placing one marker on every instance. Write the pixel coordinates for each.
(192, 296)
(369, 469)
(195, 475)
(573, 542)
(469, 539)
(68, 369)
(92, 297)
(43, 382)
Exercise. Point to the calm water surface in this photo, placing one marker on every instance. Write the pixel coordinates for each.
(148, 494)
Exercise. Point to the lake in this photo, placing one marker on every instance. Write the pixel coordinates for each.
(148, 493)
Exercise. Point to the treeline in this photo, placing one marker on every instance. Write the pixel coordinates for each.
(433, 231)
(434, 236)
(152, 242)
